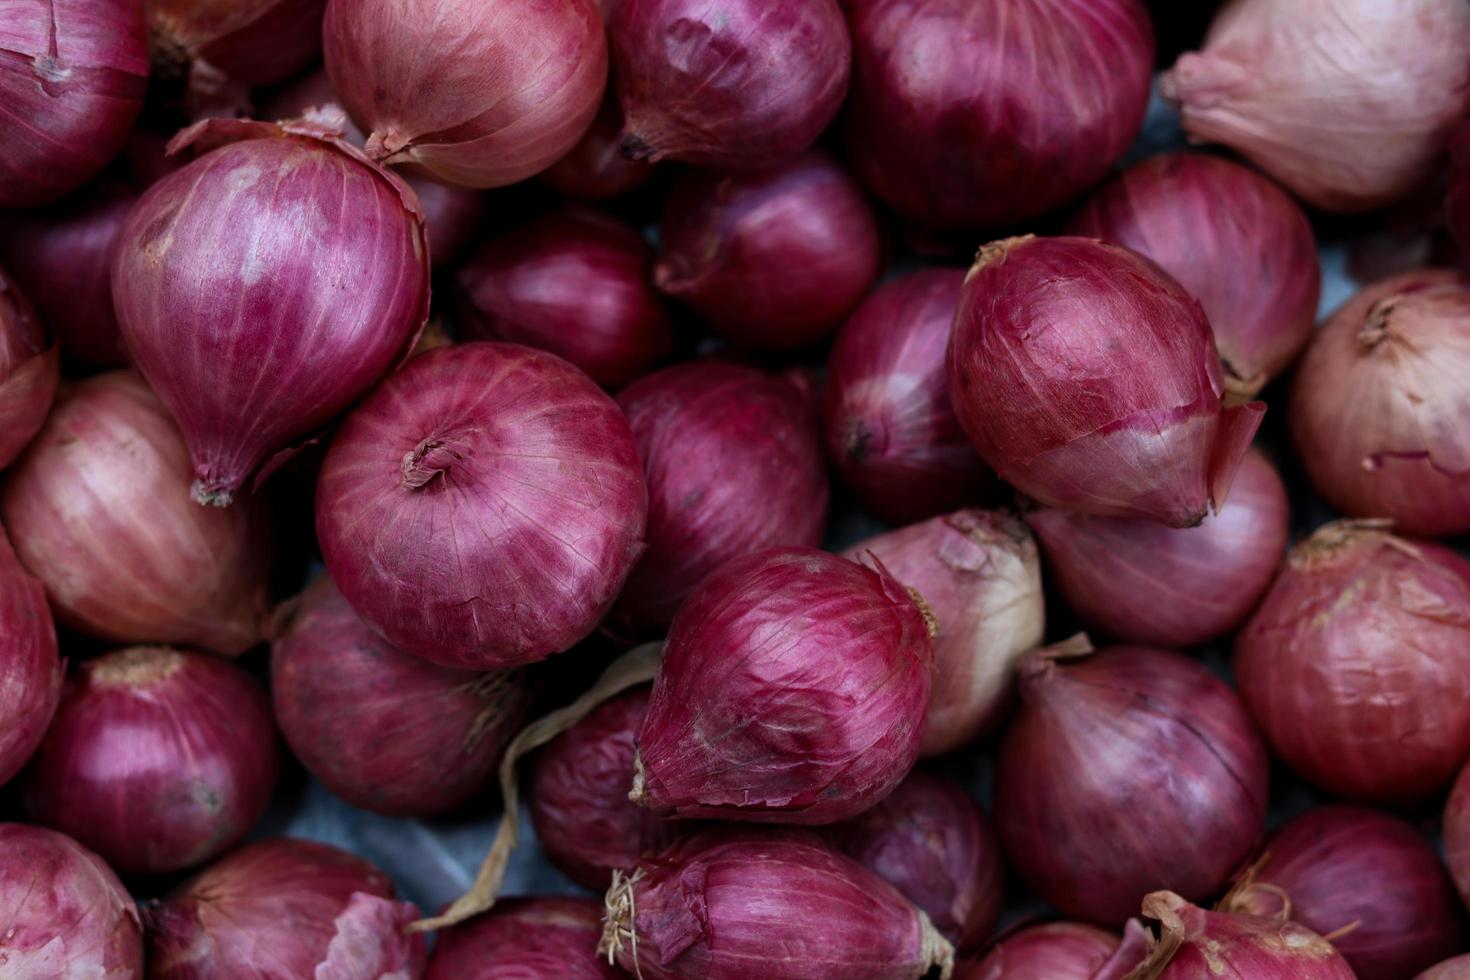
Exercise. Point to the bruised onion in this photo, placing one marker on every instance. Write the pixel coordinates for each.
(98, 509)
(28, 372)
(595, 169)
(525, 937)
(30, 670)
(1088, 379)
(1049, 951)
(251, 42)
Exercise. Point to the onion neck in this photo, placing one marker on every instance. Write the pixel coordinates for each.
(1376, 324)
(995, 253)
(431, 458)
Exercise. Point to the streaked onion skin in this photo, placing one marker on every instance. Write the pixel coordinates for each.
(253, 42)
(28, 371)
(1142, 582)
(525, 937)
(1457, 968)
(30, 670)
(967, 115)
(1049, 951)
(595, 169)
(1356, 666)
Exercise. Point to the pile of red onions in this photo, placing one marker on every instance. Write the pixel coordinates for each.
(595, 169)
(1355, 666)
(251, 42)
(483, 506)
(1049, 951)
(1088, 379)
(98, 509)
(525, 937)
(30, 671)
(28, 371)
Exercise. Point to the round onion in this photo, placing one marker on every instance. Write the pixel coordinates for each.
(525, 937)
(252, 42)
(30, 671)
(595, 169)
(1087, 377)
(1457, 968)
(1142, 582)
(483, 506)
(1234, 240)
(98, 509)
(28, 372)
(963, 116)
(772, 259)
(979, 573)
(1049, 951)
(1357, 664)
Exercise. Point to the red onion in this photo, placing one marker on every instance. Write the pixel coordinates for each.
(98, 509)
(65, 913)
(1355, 664)
(1457, 968)
(72, 83)
(28, 372)
(979, 573)
(1087, 377)
(772, 259)
(1049, 951)
(525, 938)
(483, 506)
(30, 671)
(741, 85)
(1457, 833)
(595, 169)
(1457, 203)
(284, 909)
(385, 731)
(252, 42)
(1142, 582)
(733, 466)
(1379, 409)
(1232, 238)
(575, 282)
(470, 93)
(1097, 737)
(963, 116)
(734, 904)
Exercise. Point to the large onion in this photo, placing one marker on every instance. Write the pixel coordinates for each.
(30, 671)
(28, 372)
(528, 938)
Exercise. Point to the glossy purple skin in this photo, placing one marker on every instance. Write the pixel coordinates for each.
(595, 169)
(1216, 944)
(525, 937)
(30, 670)
(28, 371)
(1049, 951)
(254, 42)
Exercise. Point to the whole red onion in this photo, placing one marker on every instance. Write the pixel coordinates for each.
(98, 509)
(979, 573)
(28, 372)
(1457, 833)
(383, 730)
(525, 937)
(1346, 102)
(253, 42)
(483, 506)
(1097, 736)
(471, 93)
(1379, 408)
(284, 909)
(1198, 945)
(1142, 582)
(65, 913)
(72, 83)
(962, 117)
(1088, 379)
(772, 259)
(1356, 668)
(595, 169)
(740, 85)
(1457, 968)
(1234, 240)
(1049, 951)
(733, 464)
(575, 282)
(30, 671)
(265, 287)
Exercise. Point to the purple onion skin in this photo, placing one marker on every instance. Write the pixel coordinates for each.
(772, 259)
(1141, 582)
(253, 42)
(1096, 737)
(72, 84)
(1216, 944)
(30, 670)
(28, 372)
(595, 169)
(525, 937)
(65, 912)
(949, 124)
(1049, 951)
(1088, 379)
(733, 466)
(482, 508)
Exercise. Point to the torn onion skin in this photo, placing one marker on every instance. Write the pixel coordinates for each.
(551, 937)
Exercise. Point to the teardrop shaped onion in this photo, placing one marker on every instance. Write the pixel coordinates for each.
(28, 371)
(30, 670)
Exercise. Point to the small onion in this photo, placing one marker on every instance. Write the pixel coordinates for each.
(595, 169)
(1087, 377)
(28, 372)
(253, 42)
(1357, 664)
(772, 259)
(1457, 968)
(1049, 951)
(30, 671)
(550, 938)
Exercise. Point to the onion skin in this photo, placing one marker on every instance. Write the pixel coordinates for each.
(980, 575)
(1234, 240)
(960, 118)
(1049, 951)
(1142, 582)
(1094, 736)
(1088, 379)
(771, 260)
(28, 372)
(1354, 665)
(253, 42)
(98, 509)
(525, 937)
(595, 169)
(477, 476)
(1379, 408)
(30, 670)
(1457, 968)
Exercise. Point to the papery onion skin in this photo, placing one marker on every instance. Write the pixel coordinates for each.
(1095, 736)
(254, 42)
(1346, 102)
(962, 117)
(772, 259)
(1457, 968)
(1220, 943)
(980, 575)
(98, 509)
(1233, 239)
(65, 912)
(1142, 582)
(733, 465)
(28, 371)
(525, 937)
(1379, 409)
(1049, 951)
(793, 689)
(30, 670)
(483, 506)
(595, 169)
(1355, 666)
(495, 110)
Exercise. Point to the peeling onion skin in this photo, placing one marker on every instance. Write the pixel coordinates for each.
(1356, 666)
(974, 115)
(1049, 951)
(1457, 968)
(252, 42)
(595, 169)
(30, 668)
(525, 937)
(1380, 411)
(1215, 944)
(28, 371)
